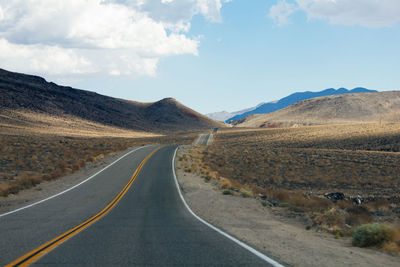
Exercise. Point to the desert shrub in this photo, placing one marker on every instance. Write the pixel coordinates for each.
(310, 204)
(207, 178)
(330, 219)
(227, 192)
(358, 215)
(338, 234)
(245, 194)
(20, 184)
(369, 235)
(225, 183)
(4, 190)
(281, 195)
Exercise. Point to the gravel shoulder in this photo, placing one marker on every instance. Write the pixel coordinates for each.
(282, 239)
(49, 188)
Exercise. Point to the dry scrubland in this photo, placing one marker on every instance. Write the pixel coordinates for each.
(25, 161)
(294, 167)
(25, 122)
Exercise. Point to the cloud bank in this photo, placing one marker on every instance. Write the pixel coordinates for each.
(366, 13)
(107, 37)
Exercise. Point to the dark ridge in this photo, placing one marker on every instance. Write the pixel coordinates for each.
(33, 93)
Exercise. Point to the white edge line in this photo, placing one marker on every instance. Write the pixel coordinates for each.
(73, 187)
(198, 140)
(240, 243)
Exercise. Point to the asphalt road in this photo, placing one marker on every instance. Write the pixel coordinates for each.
(203, 139)
(149, 225)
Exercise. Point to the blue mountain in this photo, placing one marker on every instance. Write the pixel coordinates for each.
(296, 97)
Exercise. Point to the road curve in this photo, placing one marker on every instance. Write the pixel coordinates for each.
(25, 230)
(148, 226)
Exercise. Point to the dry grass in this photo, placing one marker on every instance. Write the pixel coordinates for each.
(294, 167)
(20, 122)
(25, 161)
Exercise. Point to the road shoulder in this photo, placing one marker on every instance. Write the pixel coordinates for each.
(249, 221)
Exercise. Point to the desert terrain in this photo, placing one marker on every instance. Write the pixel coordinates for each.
(332, 178)
(270, 229)
(329, 178)
(48, 131)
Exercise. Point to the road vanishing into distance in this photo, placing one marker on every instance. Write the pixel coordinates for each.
(129, 214)
(204, 139)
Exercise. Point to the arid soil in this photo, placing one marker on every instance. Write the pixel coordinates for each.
(268, 229)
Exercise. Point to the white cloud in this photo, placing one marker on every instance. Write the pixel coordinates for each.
(42, 59)
(113, 37)
(210, 9)
(281, 12)
(367, 13)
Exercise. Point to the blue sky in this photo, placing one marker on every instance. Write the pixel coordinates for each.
(229, 55)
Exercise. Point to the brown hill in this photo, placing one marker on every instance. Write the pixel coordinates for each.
(347, 108)
(26, 97)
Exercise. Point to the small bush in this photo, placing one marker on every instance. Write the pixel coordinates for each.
(245, 194)
(369, 235)
(227, 192)
(226, 183)
(338, 234)
(330, 219)
(264, 203)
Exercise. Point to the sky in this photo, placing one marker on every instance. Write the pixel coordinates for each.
(211, 55)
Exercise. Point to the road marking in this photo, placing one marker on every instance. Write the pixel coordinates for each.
(240, 243)
(69, 189)
(35, 254)
(197, 141)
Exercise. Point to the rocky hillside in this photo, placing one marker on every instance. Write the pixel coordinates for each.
(346, 108)
(27, 93)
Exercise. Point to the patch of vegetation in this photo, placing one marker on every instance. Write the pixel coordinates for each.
(25, 161)
(227, 192)
(370, 235)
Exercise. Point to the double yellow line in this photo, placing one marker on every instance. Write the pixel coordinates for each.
(50, 245)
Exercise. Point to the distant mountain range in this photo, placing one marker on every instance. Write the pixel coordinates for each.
(333, 109)
(294, 98)
(32, 94)
(224, 115)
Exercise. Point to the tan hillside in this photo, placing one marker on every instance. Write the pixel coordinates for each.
(348, 108)
(31, 102)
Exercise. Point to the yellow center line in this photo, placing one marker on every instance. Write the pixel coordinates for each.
(37, 253)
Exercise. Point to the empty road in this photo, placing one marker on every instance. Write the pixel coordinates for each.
(204, 139)
(148, 225)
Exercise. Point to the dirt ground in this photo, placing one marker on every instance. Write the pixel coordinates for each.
(279, 237)
(49, 188)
